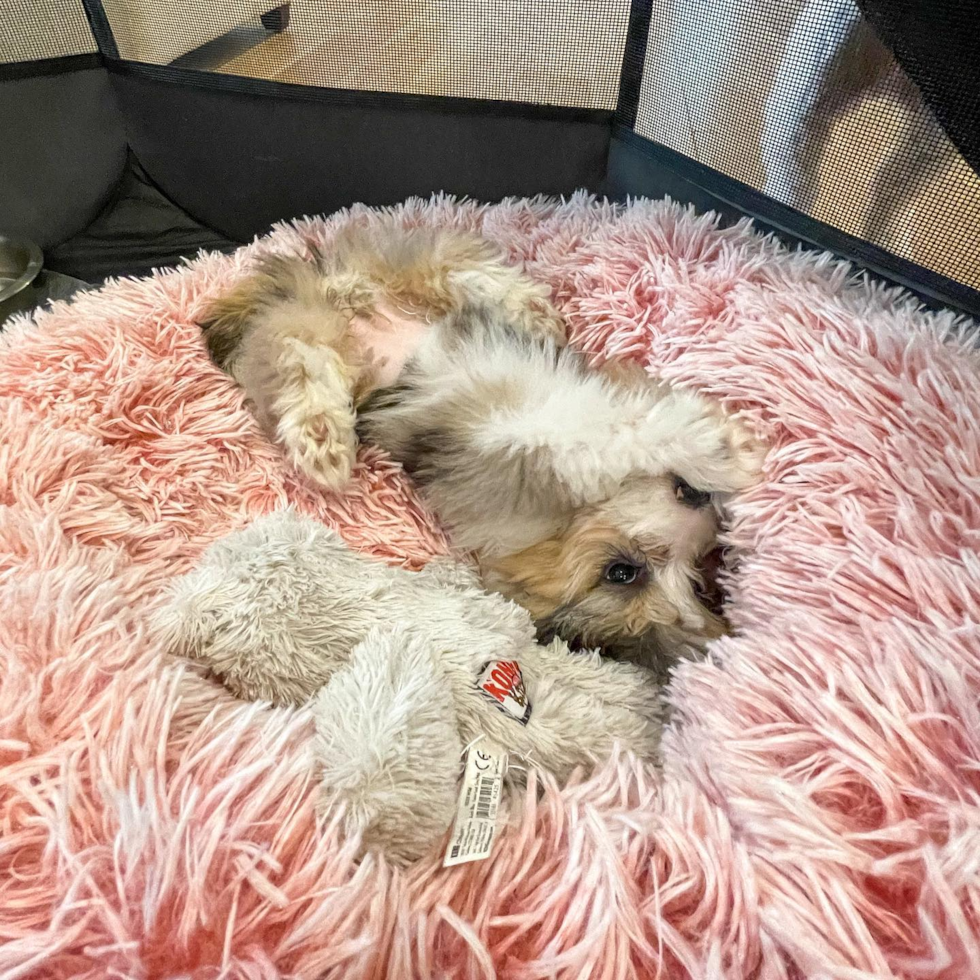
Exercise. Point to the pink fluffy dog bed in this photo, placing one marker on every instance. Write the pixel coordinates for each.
(817, 815)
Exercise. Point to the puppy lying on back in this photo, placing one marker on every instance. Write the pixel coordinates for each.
(588, 498)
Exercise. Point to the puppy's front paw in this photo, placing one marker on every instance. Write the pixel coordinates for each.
(544, 322)
(708, 449)
(532, 313)
(627, 374)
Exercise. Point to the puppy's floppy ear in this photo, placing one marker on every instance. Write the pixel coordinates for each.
(537, 574)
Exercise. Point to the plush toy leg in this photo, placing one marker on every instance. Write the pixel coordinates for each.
(388, 744)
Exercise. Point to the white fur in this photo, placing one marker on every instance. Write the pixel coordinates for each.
(536, 435)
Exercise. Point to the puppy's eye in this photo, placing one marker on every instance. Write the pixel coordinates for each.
(621, 573)
(690, 497)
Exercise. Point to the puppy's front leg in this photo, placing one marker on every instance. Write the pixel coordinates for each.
(692, 437)
(576, 438)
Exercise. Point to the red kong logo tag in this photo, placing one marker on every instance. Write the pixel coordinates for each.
(501, 681)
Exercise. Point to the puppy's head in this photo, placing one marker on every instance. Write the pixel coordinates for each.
(621, 572)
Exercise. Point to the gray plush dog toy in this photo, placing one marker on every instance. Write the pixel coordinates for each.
(405, 671)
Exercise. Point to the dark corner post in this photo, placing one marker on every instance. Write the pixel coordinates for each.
(634, 55)
(101, 31)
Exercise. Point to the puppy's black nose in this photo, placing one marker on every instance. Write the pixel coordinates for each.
(546, 632)
(689, 496)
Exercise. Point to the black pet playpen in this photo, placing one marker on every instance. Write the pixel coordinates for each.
(137, 131)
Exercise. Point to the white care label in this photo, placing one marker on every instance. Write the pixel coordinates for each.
(502, 682)
(476, 813)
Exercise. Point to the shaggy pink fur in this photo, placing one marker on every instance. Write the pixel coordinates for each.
(818, 811)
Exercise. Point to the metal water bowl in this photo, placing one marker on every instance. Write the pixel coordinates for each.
(26, 287)
(20, 265)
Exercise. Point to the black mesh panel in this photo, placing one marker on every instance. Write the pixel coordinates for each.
(559, 52)
(938, 46)
(804, 100)
(36, 30)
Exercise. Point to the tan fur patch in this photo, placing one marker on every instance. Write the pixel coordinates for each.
(562, 569)
(419, 278)
(562, 576)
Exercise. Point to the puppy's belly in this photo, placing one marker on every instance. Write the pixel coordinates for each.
(387, 340)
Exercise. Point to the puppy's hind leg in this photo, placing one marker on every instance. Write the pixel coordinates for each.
(486, 280)
(446, 271)
(283, 335)
(312, 409)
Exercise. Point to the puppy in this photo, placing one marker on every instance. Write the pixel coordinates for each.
(586, 497)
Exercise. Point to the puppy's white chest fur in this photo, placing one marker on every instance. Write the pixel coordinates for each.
(387, 340)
